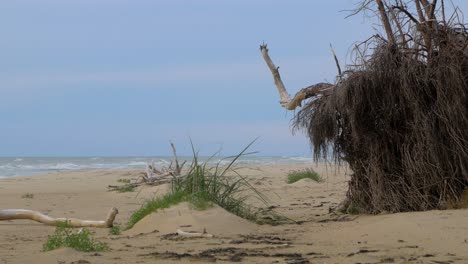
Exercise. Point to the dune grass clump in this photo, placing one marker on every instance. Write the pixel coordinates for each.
(81, 240)
(298, 175)
(202, 186)
(154, 205)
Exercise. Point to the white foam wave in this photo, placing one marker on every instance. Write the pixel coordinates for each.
(136, 163)
(62, 166)
(300, 158)
(30, 166)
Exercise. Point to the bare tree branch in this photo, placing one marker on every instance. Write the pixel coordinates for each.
(443, 11)
(426, 7)
(285, 98)
(336, 61)
(398, 23)
(410, 16)
(385, 21)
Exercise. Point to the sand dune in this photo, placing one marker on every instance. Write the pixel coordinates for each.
(215, 221)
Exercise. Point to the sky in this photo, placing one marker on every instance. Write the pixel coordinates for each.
(125, 77)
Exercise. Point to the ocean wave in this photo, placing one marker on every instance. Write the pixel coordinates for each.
(137, 163)
(29, 166)
(62, 166)
(301, 158)
(7, 166)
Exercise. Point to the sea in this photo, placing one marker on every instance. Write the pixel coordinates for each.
(27, 166)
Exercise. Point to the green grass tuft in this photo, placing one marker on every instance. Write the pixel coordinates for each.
(115, 230)
(124, 181)
(125, 188)
(81, 240)
(155, 204)
(27, 196)
(295, 176)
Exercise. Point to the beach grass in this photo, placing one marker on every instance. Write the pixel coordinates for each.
(81, 240)
(154, 205)
(206, 185)
(27, 196)
(297, 175)
(203, 185)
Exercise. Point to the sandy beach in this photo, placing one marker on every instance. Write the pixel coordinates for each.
(319, 237)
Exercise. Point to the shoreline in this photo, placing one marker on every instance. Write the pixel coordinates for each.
(12, 166)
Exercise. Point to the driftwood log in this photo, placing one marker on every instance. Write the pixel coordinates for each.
(16, 214)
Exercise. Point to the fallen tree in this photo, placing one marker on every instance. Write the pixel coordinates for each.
(399, 115)
(16, 214)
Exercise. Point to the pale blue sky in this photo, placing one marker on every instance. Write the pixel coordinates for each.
(115, 77)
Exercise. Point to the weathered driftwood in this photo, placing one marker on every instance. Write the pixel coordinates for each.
(193, 234)
(155, 176)
(16, 214)
(305, 93)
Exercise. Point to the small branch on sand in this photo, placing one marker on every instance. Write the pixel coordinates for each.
(305, 93)
(193, 234)
(16, 214)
